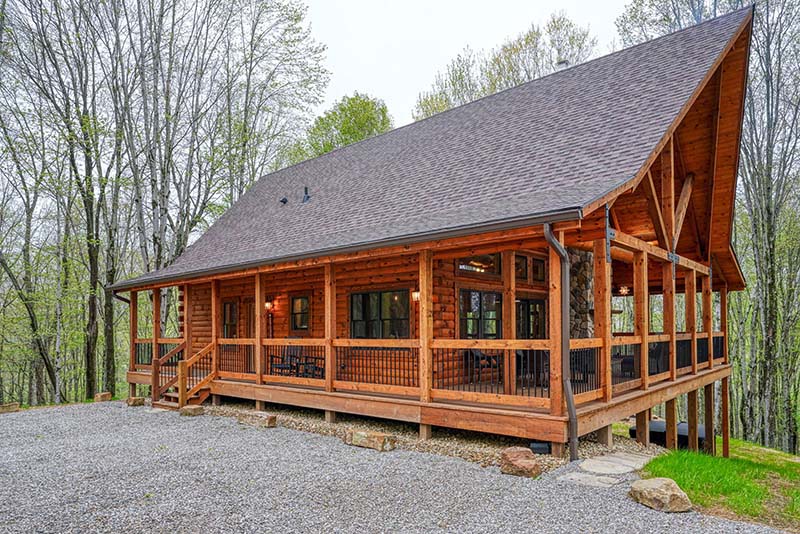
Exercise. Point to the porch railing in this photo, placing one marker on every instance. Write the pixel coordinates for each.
(702, 349)
(718, 344)
(626, 371)
(658, 357)
(683, 353)
(236, 357)
(165, 369)
(143, 354)
(377, 365)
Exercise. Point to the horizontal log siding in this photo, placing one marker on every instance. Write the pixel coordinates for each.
(200, 301)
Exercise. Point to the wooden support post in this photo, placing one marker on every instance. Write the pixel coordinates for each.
(668, 285)
(602, 313)
(643, 427)
(215, 325)
(641, 303)
(330, 334)
(690, 296)
(710, 444)
(557, 449)
(425, 432)
(216, 400)
(708, 318)
(671, 415)
(668, 191)
(156, 335)
(258, 347)
(605, 436)
(182, 391)
(131, 390)
(726, 421)
(554, 314)
(426, 324)
(133, 313)
(723, 320)
(187, 322)
(507, 263)
(691, 408)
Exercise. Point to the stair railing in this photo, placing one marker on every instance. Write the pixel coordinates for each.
(195, 373)
(164, 377)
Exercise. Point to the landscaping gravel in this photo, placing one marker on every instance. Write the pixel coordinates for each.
(109, 468)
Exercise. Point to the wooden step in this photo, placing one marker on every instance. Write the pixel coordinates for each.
(165, 405)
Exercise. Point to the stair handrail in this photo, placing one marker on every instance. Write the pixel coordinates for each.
(183, 373)
(157, 369)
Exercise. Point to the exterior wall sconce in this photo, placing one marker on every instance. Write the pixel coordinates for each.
(415, 295)
(268, 305)
(624, 290)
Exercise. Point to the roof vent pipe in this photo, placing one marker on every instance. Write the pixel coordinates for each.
(566, 383)
(306, 196)
(562, 64)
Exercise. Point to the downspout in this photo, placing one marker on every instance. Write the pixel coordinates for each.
(565, 372)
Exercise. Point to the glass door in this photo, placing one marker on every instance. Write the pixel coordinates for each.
(531, 319)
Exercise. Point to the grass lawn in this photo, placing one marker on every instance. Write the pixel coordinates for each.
(755, 483)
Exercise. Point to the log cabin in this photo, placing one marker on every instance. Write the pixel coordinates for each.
(539, 263)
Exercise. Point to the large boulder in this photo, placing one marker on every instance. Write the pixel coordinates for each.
(104, 396)
(9, 407)
(135, 401)
(370, 440)
(519, 461)
(191, 410)
(661, 494)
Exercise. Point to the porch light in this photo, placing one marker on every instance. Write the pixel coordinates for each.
(623, 290)
(268, 305)
(415, 295)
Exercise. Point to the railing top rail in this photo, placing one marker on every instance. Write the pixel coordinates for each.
(719, 334)
(172, 353)
(658, 338)
(492, 344)
(586, 343)
(143, 340)
(303, 341)
(702, 335)
(170, 340)
(683, 336)
(203, 352)
(383, 343)
(626, 340)
(236, 341)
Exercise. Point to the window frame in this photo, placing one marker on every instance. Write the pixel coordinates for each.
(489, 275)
(300, 331)
(227, 304)
(481, 320)
(364, 293)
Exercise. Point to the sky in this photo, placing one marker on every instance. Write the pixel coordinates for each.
(393, 49)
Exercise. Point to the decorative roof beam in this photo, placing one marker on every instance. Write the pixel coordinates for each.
(683, 206)
(655, 210)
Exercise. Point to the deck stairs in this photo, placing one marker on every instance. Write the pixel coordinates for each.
(169, 399)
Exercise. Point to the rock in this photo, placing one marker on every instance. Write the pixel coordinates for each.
(191, 410)
(266, 420)
(105, 396)
(588, 479)
(370, 440)
(135, 401)
(9, 407)
(661, 494)
(519, 461)
(605, 465)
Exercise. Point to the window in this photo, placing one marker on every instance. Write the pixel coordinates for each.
(480, 314)
(379, 314)
(483, 264)
(230, 319)
(538, 269)
(521, 267)
(531, 319)
(300, 313)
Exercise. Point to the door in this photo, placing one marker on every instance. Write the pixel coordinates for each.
(531, 319)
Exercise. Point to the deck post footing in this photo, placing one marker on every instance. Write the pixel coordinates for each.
(425, 432)
(330, 416)
(216, 400)
(557, 449)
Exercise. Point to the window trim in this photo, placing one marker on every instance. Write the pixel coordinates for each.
(387, 289)
(481, 290)
(235, 303)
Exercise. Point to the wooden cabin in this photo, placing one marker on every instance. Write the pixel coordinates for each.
(474, 270)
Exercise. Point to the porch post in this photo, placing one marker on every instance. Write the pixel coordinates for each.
(554, 316)
(725, 422)
(187, 322)
(691, 408)
(133, 315)
(643, 427)
(668, 287)
(671, 414)
(710, 445)
(690, 295)
(507, 262)
(708, 318)
(259, 335)
(156, 335)
(215, 322)
(641, 300)
(425, 333)
(723, 321)
(602, 313)
(330, 334)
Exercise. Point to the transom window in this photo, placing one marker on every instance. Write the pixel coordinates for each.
(300, 312)
(480, 313)
(521, 267)
(379, 315)
(488, 264)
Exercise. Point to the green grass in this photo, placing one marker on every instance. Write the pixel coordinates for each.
(755, 482)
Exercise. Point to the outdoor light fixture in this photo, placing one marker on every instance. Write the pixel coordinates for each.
(623, 290)
(268, 305)
(415, 295)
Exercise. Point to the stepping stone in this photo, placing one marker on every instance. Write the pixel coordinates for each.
(605, 466)
(587, 479)
(637, 461)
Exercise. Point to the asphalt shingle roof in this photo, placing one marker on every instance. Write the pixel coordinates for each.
(548, 147)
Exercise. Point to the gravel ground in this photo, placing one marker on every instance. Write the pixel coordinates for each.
(106, 467)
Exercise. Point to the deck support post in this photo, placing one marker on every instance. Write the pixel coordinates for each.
(708, 318)
(216, 400)
(725, 422)
(723, 320)
(602, 313)
(641, 302)
(557, 449)
(691, 408)
(605, 436)
(258, 350)
(643, 427)
(156, 334)
(330, 334)
(131, 389)
(507, 263)
(709, 446)
(690, 296)
(671, 416)
(425, 432)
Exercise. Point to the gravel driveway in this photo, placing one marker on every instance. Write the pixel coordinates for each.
(107, 467)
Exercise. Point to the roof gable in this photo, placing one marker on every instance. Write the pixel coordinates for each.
(543, 150)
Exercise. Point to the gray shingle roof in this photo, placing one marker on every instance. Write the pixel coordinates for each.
(539, 150)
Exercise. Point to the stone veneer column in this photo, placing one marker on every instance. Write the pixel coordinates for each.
(581, 306)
